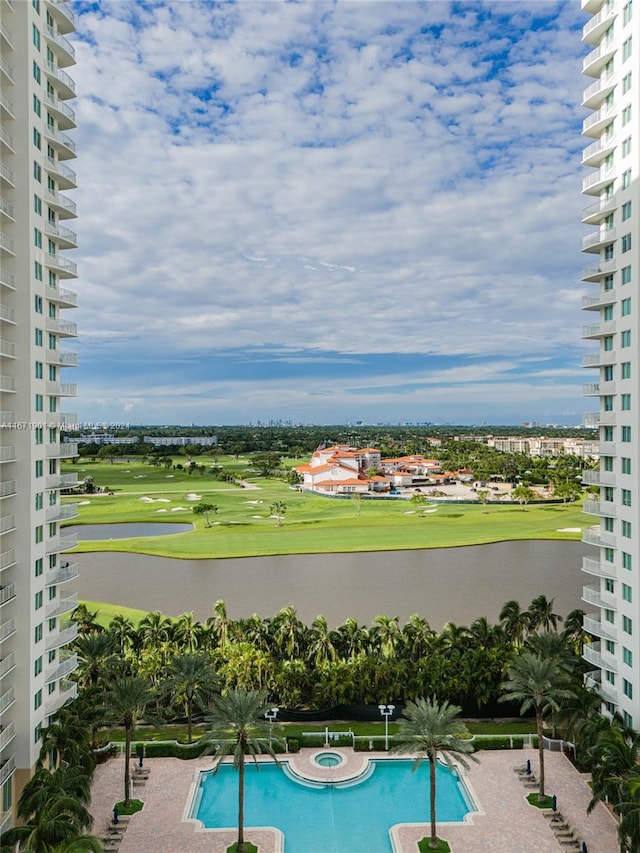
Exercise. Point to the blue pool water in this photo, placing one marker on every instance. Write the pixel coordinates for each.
(331, 819)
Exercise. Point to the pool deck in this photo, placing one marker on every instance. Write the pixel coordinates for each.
(506, 823)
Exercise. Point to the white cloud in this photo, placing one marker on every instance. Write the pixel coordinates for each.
(340, 178)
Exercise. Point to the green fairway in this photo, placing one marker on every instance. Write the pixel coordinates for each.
(243, 525)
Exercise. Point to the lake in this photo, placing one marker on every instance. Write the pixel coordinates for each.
(441, 584)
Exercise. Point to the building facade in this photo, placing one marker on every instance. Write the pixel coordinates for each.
(35, 149)
(612, 590)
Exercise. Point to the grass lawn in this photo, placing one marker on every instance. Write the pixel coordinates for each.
(443, 846)
(243, 526)
(133, 807)
(106, 612)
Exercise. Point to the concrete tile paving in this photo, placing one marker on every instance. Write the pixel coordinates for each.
(506, 823)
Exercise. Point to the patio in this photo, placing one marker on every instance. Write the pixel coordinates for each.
(506, 824)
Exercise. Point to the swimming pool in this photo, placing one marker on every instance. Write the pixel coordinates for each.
(320, 818)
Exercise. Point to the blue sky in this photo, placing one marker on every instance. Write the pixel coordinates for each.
(329, 212)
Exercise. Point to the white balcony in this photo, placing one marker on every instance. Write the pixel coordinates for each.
(64, 207)
(7, 384)
(61, 111)
(64, 175)
(7, 629)
(62, 389)
(594, 62)
(62, 47)
(64, 668)
(62, 266)
(62, 512)
(7, 279)
(7, 454)
(593, 625)
(7, 594)
(596, 181)
(7, 769)
(56, 639)
(65, 86)
(593, 507)
(62, 481)
(596, 26)
(64, 604)
(7, 700)
(6, 106)
(7, 417)
(8, 489)
(592, 653)
(594, 95)
(7, 524)
(65, 237)
(63, 15)
(599, 538)
(6, 174)
(7, 734)
(592, 594)
(7, 559)
(7, 209)
(6, 35)
(7, 349)
(6, 139)
(62, 543)
(68, 692)
(7, 70)
(61, 142)
(64, 328)
(7, 246)
(591, 6)
(68, 359)
(598, 359)
(591, 389)
(600, 300)
(7, 664)
(61, 574)
(594, 154)
(598, 568)
(599, 330)
(599, 478)
(597, 239)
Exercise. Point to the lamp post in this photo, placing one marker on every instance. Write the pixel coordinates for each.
(386, 711)
(271, 715)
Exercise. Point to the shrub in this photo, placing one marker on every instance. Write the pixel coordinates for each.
(365, 745)
(171, 749)
(499, 742)
(294, 744)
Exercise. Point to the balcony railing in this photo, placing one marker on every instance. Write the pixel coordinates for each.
(61, 574)
(63, 109)
(7, 523)
(594, 595)
(7, 454)
(62, 142)
(64, 668)
(595, 26)
(69, 691)
(6, 174)
(7, 663)
(67, 238)
(64, 604)
(7, 734)
(66, 85)
(7, 769)
(62, 327)
(596, 59)
(7, 593)
(62, 638)
(63, 543)
(63, 43)
(7, 559)
(7, 699)
(599, 330)
(7, 629)
(7, 348)
(63, 14)
(598, 178)
(7, 279)
(8, 488)
(66, 175)
(597, 238)
(62, 203)
(593, 625)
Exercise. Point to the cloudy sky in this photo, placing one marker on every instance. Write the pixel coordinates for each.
(329, 211)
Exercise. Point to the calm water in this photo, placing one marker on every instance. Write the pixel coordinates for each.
(442, 584)
(130, 530)
(331, 819)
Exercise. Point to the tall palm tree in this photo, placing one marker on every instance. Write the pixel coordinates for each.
(541, 614)
(320, 647)
(615, 754)
(154, 629)
(538, 684)
(386, 634)
(60, 818)
(187, 632)
(515, 622)
(239, 729)
(191, 678)
(96, 655)
(288, 633)
(428, 729)
(85, 619)
(127, 701)
(629, 811)
(123, 631)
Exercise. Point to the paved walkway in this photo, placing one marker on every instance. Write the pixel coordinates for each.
(506, 823)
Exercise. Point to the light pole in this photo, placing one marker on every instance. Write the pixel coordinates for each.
(271, 715)
(386, 711)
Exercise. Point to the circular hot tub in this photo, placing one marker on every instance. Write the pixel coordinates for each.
(328, 759)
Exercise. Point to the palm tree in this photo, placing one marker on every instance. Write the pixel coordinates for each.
(629, 811)
(515, 622)
(540, 684)
(616, 755)
(126, 702)
(386, 634)
(123, 631)
(187, 632)
(154, 629)
(320, 648)
(96, 654)
(85, 619)
(61, 818)
(238, 729)
(191, 678)
(428, 729)
(541, 614)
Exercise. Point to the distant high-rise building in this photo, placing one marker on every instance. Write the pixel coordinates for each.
(612, 593)
(35, 148)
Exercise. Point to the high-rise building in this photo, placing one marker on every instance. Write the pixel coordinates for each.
(612, 593)
(35, 148)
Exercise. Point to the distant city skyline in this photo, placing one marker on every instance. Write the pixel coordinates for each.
(329, 212)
